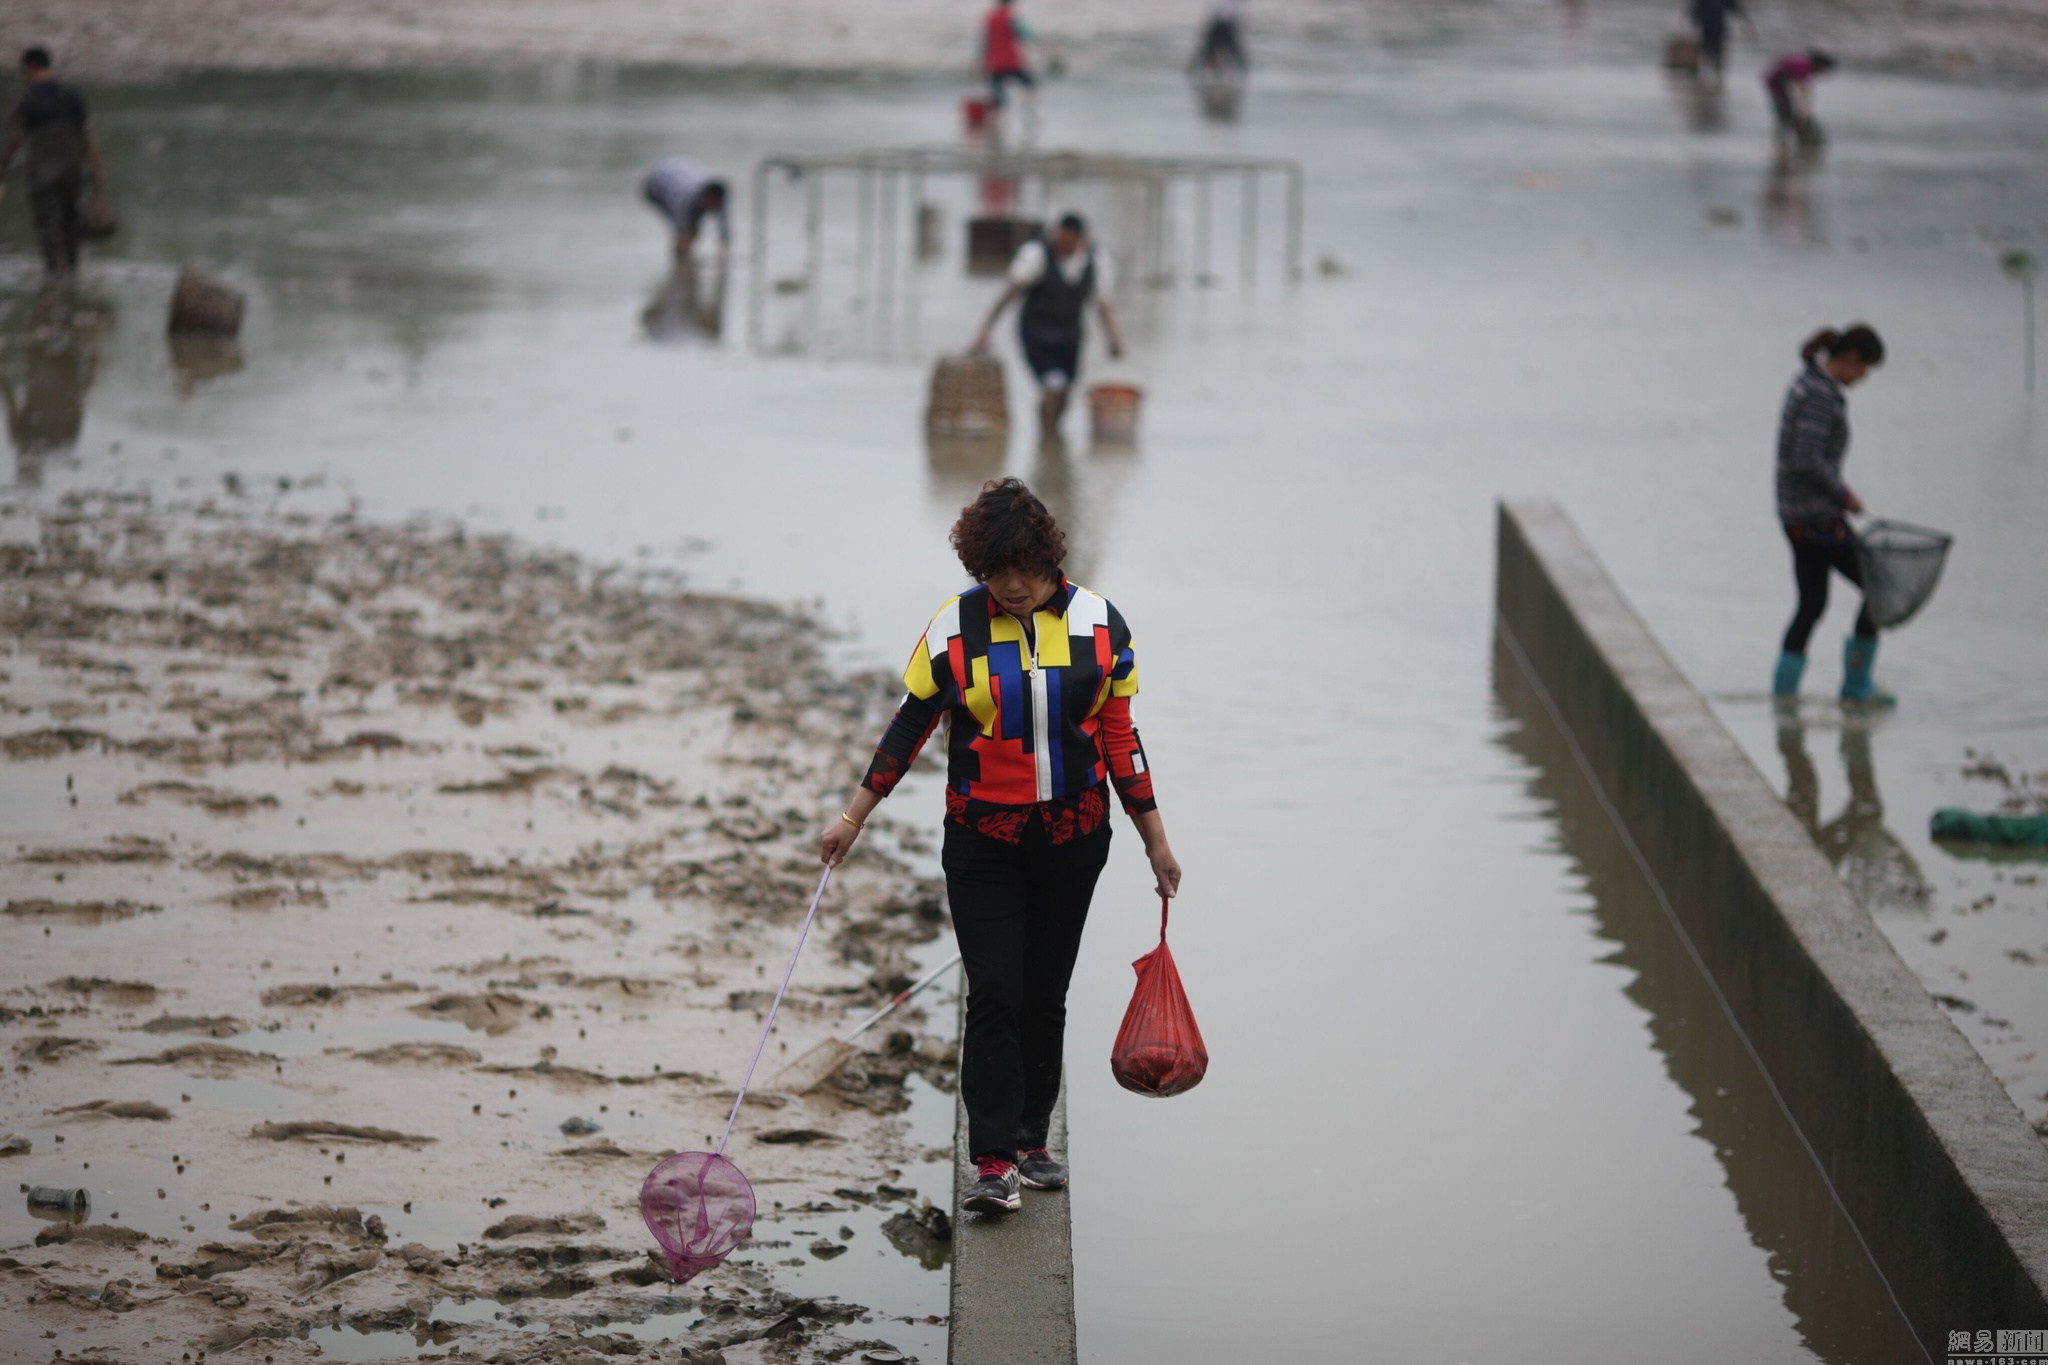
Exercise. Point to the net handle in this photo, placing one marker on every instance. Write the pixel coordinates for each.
(769, 1025)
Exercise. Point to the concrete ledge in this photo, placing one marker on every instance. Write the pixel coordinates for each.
(1936, 1167)
(1013, 1275)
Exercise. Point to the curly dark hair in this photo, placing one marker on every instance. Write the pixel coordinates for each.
(1007, 527)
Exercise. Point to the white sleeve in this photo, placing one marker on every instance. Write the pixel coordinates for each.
(1028, 266)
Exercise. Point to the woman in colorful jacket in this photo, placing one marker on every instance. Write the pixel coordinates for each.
(1032, 677)
(1813, 503)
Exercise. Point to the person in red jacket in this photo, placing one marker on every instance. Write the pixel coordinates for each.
(1003, 56)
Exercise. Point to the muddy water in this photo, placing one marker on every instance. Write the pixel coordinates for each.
(1466, 1102)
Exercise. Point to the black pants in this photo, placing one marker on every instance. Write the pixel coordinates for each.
(1714, 40)
(1018, 910)
(1818, 551)
(54, 206)
(1221, 46)
(998, 79)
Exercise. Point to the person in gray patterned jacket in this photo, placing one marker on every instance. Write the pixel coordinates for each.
(1813, 504)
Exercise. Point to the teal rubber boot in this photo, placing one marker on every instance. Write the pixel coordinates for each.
(1859, 657)
(1785, 682)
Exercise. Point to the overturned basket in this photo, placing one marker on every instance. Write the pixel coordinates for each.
(967, 397)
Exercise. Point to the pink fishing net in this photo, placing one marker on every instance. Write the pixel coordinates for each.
(699, 1207)
(697, 1204)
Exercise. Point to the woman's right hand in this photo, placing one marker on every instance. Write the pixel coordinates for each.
(1854, 504)
(836, 842)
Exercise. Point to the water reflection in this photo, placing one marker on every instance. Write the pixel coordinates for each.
(958, 465)
(1702, 104)
(689, 306)
(1842, 1308)
(197, 360)
(1788, 205)
(50, 345)
(1872, 862)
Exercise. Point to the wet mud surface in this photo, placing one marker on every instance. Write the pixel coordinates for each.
(382, 903)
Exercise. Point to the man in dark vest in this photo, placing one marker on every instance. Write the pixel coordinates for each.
(1057, 276)
(62, 151)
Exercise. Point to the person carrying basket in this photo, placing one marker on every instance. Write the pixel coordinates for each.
(1814, 503)
(1032, 677)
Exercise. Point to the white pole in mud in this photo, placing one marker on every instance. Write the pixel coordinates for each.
(1249, 194)
(885, 311)
(1202, 201)
(2021, 266)
(757, 290)
(1295, 193)
(814, 248)
(863, 225)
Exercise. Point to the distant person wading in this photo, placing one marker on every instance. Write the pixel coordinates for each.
(63, 158)
(1814, 503)
(1004, 35)
(1057, 276)
(1030, 678)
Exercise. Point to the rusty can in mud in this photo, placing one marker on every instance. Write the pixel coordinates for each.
(59, 1201)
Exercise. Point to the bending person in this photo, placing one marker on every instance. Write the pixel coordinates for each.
(685, 194)
(1813, 503)
(1057, 276)
(1031, 677)
(1790, 83)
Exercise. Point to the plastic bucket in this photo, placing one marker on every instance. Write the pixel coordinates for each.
(1113, 412)
(974, 109)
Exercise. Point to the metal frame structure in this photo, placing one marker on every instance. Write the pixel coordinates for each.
(883, 174)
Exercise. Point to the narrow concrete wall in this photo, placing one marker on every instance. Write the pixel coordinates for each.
(1936, 1167)
(1013, 1275)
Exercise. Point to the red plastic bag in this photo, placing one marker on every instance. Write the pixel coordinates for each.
(1159, 1049)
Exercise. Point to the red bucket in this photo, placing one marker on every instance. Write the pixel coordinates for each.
(1113, 412)
(974, 109)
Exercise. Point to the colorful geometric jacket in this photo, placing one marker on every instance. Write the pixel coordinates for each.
(1035, 721)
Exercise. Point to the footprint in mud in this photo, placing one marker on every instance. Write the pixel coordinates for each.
(78, 912)
(213, 1025)
(106, 991)
(28, 745)
(212, 800)
(118, 1109)
(544, 1225)
(217, 1060)
(123, 849)
(421, 1054)
(494, 1012)
(273, 897)
(796, 1137)
(321, 993)
(316, 1130)
(510, 782)
(51, 1051)
(276, 1223)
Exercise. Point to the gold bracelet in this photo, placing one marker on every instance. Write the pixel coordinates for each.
(851, 821)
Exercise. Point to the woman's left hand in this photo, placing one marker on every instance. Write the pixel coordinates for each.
(1165, 868)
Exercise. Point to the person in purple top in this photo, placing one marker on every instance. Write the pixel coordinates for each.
(1790, 82)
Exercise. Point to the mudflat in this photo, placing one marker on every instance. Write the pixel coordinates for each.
(382, 903)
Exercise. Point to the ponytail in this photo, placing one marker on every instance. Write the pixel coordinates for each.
(1819, 344)
(1859, 339)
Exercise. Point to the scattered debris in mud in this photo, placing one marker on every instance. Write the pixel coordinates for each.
(440, 831)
